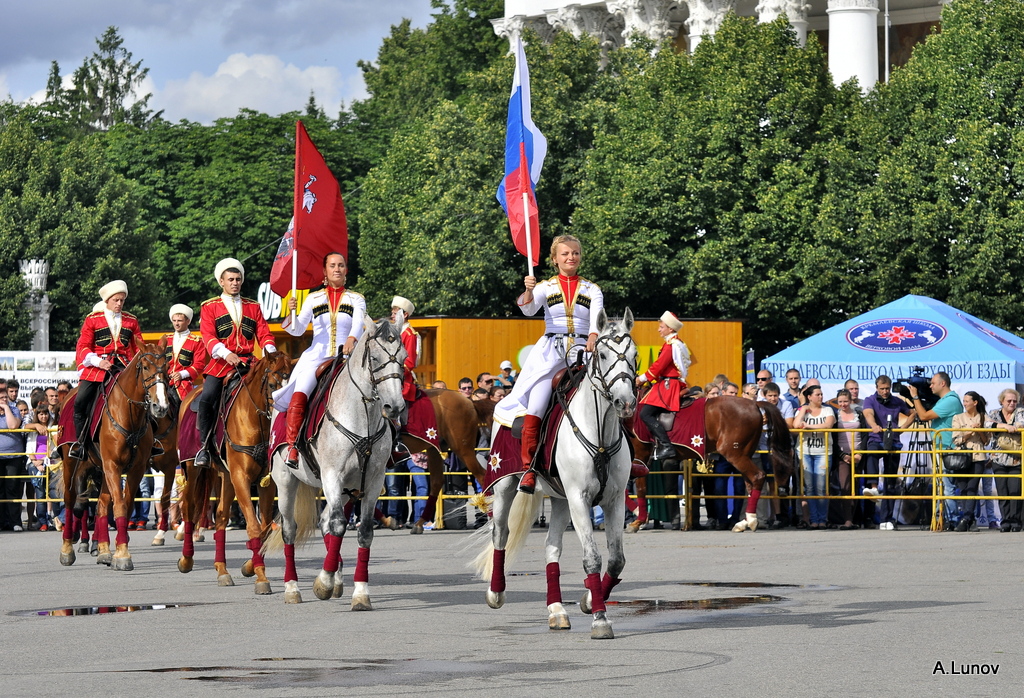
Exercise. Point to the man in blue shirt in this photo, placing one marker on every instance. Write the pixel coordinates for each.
(883, 411)
(941, 417)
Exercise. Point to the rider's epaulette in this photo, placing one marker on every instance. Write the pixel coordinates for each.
(249, 300)
(128, 315)
(354, 293)
(211, 300)
(98, 312)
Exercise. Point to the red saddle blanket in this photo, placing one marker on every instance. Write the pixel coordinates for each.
(66, 420)
(687, 431)
(189, 441)
(422, 422)
(506, 459)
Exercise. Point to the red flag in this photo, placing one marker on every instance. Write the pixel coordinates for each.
(517, 182)
(318, 225)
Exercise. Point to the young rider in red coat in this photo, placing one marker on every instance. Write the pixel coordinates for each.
(411, 342)
(110, 339)
(186, 353)
(231, 327)
(668, 374)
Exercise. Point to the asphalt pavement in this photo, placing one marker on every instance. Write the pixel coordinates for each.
(794, 613)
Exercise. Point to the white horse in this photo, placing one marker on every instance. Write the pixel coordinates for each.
(352, 450)
(592, 458)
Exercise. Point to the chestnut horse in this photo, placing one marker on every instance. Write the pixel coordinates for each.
(123, 447)
(733, 427)
(458, 424)
(247, 437)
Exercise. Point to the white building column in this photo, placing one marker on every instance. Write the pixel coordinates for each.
(795, 11)
(512, 28)
(651, 18)
(853, 41)
(35, 273)
(705, 18)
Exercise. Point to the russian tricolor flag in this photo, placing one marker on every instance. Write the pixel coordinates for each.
(525, 148)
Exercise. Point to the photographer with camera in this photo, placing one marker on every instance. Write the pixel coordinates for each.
(883, 412)
(940, 416)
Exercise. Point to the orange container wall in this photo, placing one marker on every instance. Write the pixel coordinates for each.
(457, 347)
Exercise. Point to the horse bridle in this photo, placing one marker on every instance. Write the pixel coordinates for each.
(363, 445)
(132, 437)
(600, 454)
(258, 451)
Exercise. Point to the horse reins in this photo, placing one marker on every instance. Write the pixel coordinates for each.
(133, 436)
(257, 451)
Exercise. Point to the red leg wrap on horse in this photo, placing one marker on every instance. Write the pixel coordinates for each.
(752, 501)
(607, 584)
(121, 524)
(188, 547)
(100, 533)
(349, 506)
(83, 526)
(254, 546)
(362, 573)
(378, 515)
(630, 502)
(290, 575)
(220, 539)
(163, 520)
(593, 583)
(333, 558)
(641, 509)
(69, 528)
(554, 588)
(498, 571)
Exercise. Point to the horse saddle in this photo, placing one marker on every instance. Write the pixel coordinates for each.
(316, 408)
(563, 384)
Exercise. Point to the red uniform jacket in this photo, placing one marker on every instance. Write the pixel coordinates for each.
(667, 384)
(411, 340)
(96, 338)
(192, 357)
(216, 326)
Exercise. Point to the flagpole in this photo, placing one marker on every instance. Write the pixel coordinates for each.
(529, 234)
(295, 218)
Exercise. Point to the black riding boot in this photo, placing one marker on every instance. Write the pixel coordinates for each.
(664, 450)
(205, 427)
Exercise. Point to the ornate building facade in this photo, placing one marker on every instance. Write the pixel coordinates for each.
(852, 31)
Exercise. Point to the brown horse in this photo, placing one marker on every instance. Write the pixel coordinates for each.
(458, 424)
(733, 428)
(245, 463)
(124, 446)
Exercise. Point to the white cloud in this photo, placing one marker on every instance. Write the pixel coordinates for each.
(5, 91)
(261, 82)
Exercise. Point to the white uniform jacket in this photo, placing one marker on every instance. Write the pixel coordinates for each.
(567, 326)
(348, 322)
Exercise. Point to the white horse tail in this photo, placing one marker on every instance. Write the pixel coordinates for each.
(521, 516)
(305, 521)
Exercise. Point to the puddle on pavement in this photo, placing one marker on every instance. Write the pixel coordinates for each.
(99, 610)
(742, 585)
(643, 607)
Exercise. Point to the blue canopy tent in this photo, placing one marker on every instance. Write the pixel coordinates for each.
(914, 331)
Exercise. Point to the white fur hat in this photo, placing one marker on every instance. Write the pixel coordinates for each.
(99, 307)
(403, 303)
(671, 320)
(180, 309)
(225, 264)
(112, 288)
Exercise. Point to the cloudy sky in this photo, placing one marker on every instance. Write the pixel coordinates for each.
(208, 58)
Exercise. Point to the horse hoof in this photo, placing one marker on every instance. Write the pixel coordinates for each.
(361, 603)
(740, 527)
(634, 526)
(601, 630)
(752, 522)
(225, 580)
(559, 621)
(339, 590)
(158, 541)
(292, 597)
(67, 559)
(198, 538)
(495, 599)
(94, 551)
(321, 590)
(179, 535)
(83, 547)
(104, 559)
(185, 564)
(417, 529)
(247, 569)
(263, 588)
(585, 604)
(123, 564)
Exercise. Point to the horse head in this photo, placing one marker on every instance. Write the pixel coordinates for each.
(272, 372)
(152, 371)
(383, 356)
(613, 365)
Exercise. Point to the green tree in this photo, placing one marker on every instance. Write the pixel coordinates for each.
(63, 203)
